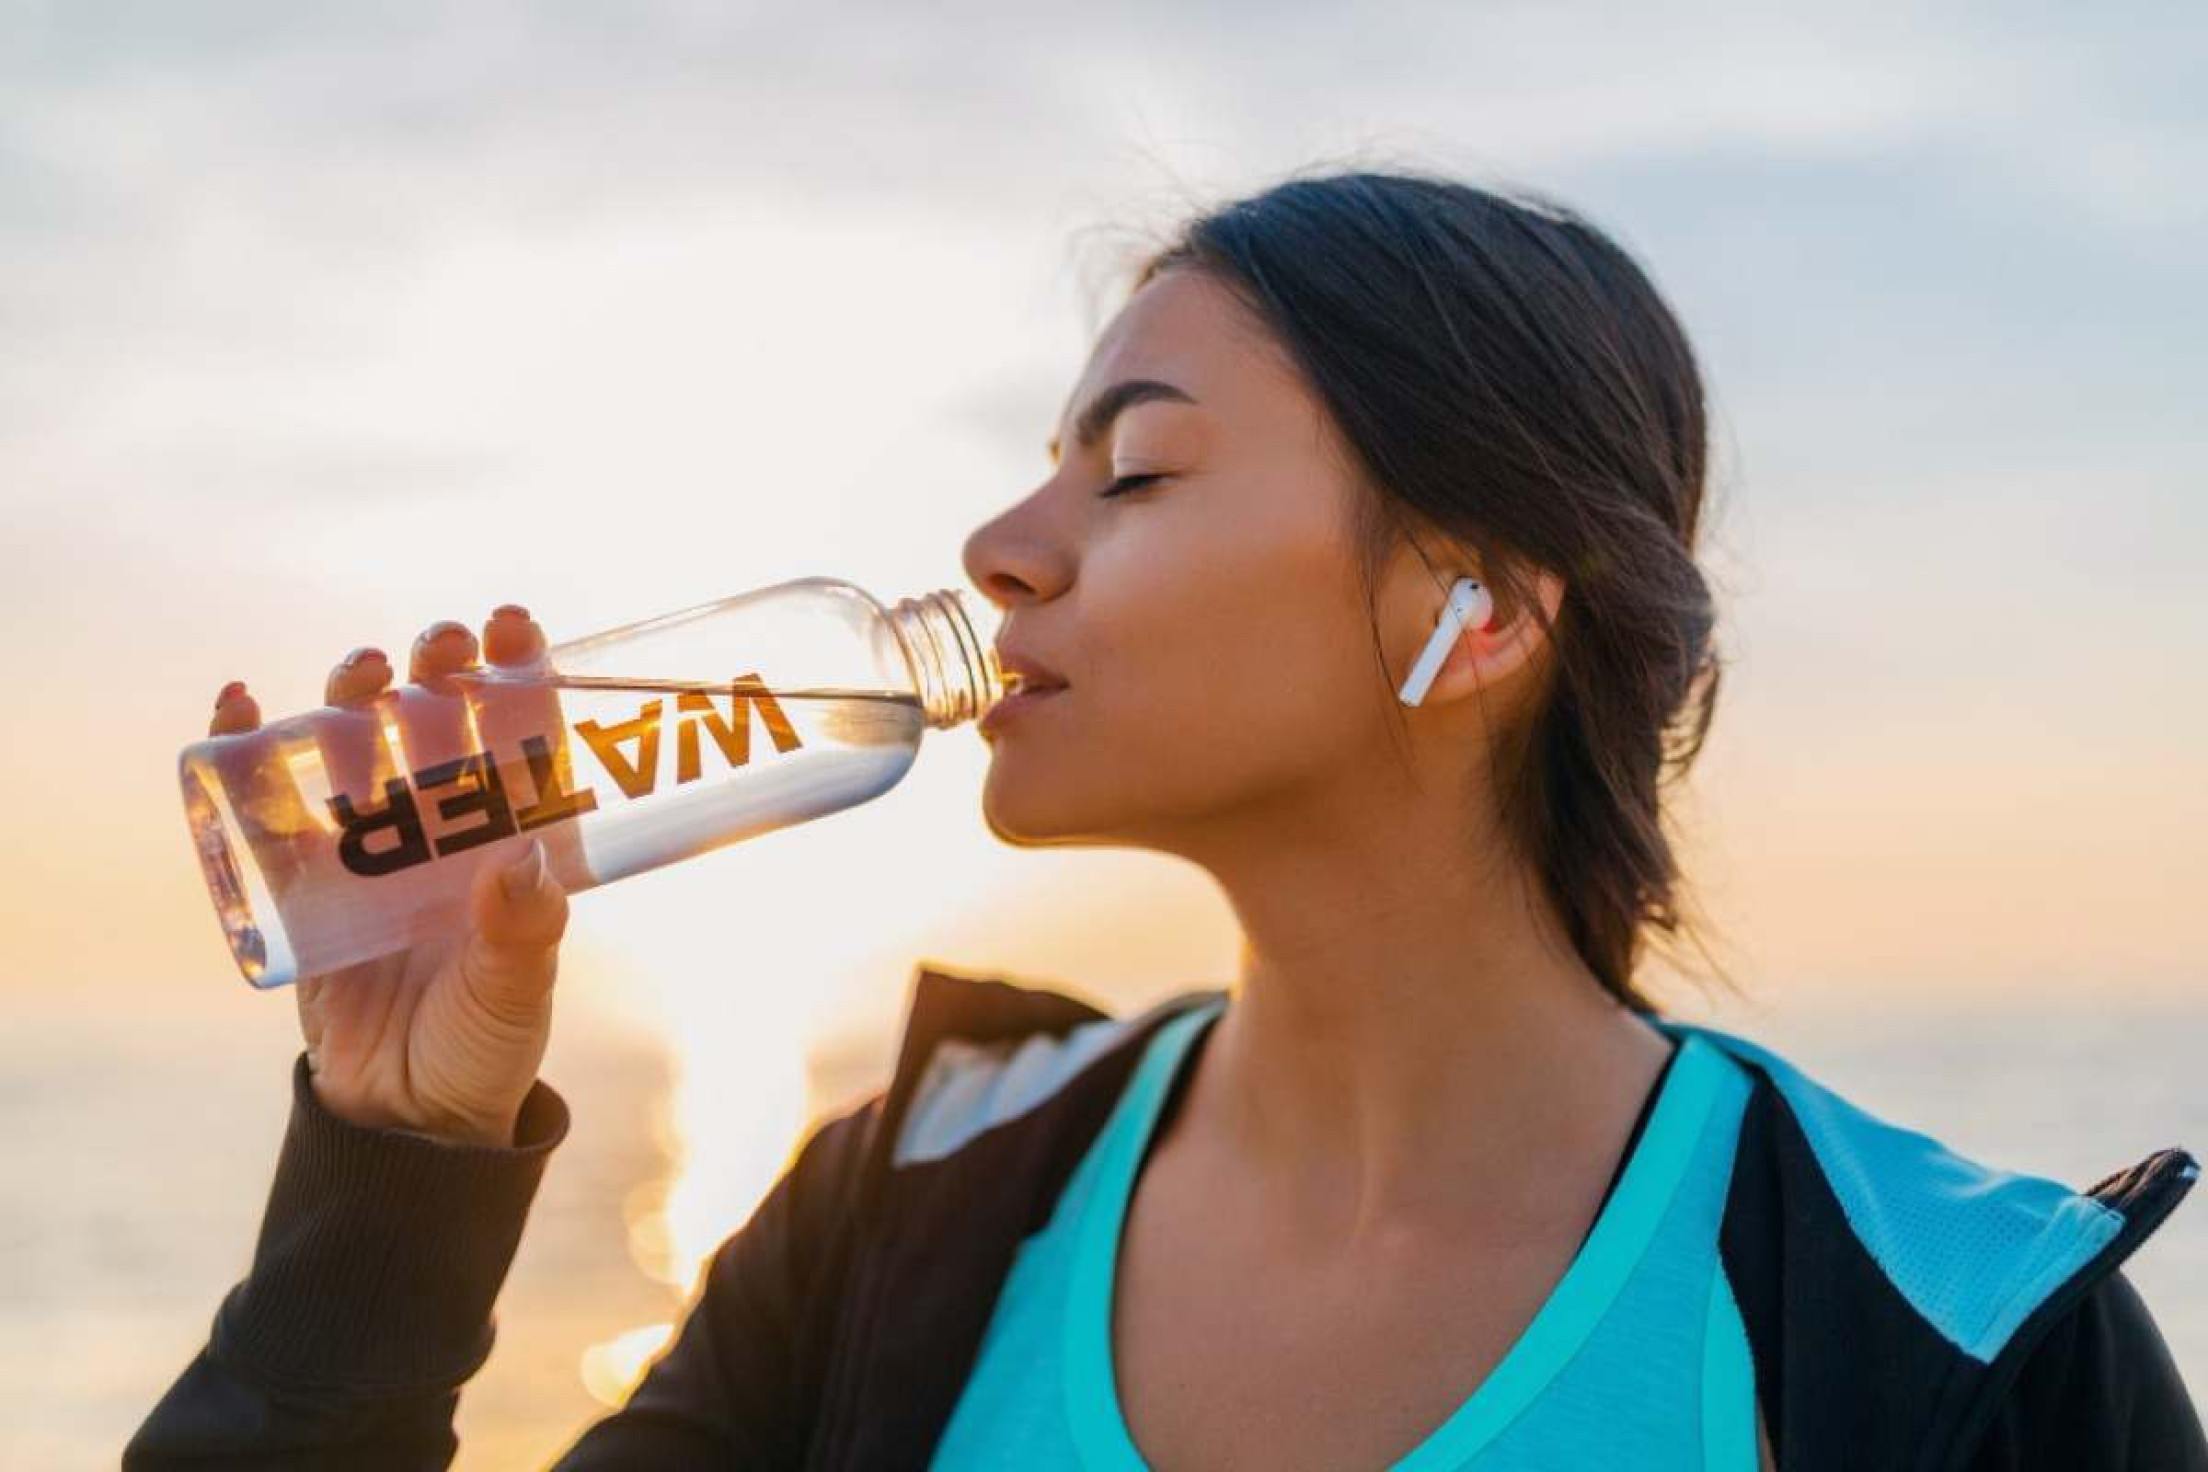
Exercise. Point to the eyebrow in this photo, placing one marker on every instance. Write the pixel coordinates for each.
(1107, 406)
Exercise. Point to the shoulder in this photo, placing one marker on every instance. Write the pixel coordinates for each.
(979, 1052)
(2100, 1389)
(1972, 1247)
(1885, 1279)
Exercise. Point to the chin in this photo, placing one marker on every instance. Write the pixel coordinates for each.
(1028, 813)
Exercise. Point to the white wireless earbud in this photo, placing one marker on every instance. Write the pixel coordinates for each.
(1469, 607)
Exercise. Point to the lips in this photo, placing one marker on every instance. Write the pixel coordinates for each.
(1027, 683)
(1023, 674)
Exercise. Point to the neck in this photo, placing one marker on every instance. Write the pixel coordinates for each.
(1412, 1043)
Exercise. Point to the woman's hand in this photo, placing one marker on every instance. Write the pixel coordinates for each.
(445, 1038)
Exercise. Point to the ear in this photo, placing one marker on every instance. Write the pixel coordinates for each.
(1483, 658)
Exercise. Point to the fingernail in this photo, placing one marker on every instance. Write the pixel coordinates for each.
(525, 873)
(442, 649)
(365, 652)
(229, 692)
(509, 610)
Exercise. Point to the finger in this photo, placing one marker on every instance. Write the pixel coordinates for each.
(524, 906)
(357, 677)
(439, 650)
(511, 636)
(239, 765)
(433, 708)
(235, 711)
(520, 914)
(523, 728)
(356, 758)
(247, 763)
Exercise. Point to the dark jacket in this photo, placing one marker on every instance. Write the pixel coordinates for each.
(1905, 1308)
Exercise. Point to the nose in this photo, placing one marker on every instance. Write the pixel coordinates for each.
(1012, 558)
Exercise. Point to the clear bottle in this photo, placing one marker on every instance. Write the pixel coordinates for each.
(348, 832)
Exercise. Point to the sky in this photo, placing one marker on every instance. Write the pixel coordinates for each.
(327, 321)
(322, 322)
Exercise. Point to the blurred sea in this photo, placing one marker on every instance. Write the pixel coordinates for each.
(137, 1159)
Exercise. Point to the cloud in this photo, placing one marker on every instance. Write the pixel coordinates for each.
(1890, 228)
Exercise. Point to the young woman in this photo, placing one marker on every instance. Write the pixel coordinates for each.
(1431, 1185)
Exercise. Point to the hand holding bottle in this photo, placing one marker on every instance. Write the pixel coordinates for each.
(445, 1037)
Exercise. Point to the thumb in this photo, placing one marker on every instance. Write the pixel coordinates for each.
(520, 914)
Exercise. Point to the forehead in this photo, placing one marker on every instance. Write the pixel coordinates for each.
(1182, 310)
(1190, 330)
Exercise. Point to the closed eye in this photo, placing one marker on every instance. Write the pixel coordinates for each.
(1129, 483)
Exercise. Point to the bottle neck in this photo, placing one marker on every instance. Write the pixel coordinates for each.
(956, 672)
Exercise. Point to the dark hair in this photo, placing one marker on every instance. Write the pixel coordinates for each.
(1507, 375)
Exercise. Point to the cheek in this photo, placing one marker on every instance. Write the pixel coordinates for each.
(1226, 665)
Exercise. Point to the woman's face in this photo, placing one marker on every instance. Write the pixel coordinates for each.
(1210, 625)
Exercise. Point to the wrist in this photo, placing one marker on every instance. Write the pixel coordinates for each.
(444, 1126)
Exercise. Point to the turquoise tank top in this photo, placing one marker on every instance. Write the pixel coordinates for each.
(1637, 1358)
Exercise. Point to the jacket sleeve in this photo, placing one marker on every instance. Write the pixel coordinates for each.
(2100, 1391)
(368, 1301)
(740, 1385)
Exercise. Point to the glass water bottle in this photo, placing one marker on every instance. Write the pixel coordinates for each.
(352, 831)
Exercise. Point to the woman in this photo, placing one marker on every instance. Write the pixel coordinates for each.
(1431, 1185)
